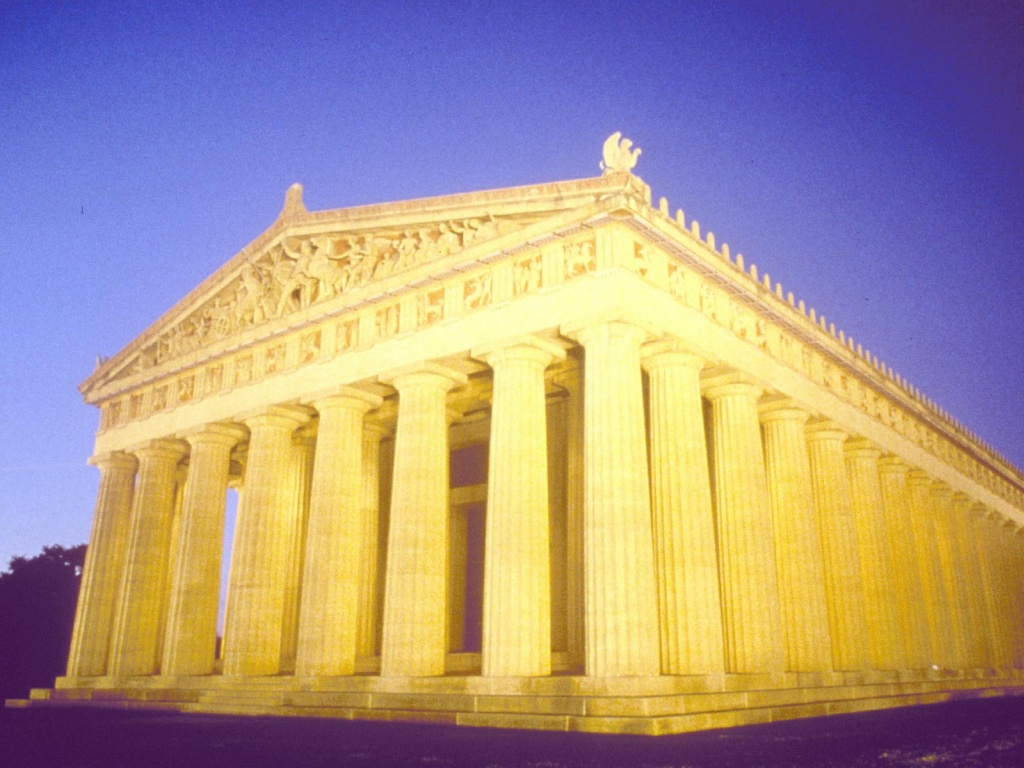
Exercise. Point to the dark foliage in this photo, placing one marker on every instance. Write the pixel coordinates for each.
(37, 610)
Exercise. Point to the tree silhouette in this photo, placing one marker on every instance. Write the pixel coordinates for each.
(37, 610)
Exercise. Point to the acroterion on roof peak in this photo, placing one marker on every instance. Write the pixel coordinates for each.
(618, 155)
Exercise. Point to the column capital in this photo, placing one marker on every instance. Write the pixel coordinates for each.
(892, 463)
(526, 348)
(668, 351)
(721, 382)
(114, 460)
(348, 398)
(382, 421)
(959, 497)
(918, 477)
(775, 407)
(941, 488)
(290, 416)
(819, 428)
(424, 374)
(227, 434)
(585, 334)
(161, 448)
(861, 447)
(980, 510)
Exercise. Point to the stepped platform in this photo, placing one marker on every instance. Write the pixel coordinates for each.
(631, 705)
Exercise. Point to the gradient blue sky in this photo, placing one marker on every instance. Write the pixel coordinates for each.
(870, 155)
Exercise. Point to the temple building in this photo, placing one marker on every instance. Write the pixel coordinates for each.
(541, 457)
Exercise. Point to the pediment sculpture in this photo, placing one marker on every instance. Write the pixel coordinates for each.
(302, 270)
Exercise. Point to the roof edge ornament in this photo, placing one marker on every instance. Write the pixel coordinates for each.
(293, 205)
(619, 157)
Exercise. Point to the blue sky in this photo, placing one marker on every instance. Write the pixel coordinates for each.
(870, 155)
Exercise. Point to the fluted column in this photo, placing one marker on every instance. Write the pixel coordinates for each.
(369, 565)
(1017, 591)
(1000, 576)
(751, 615)
(300, 479)
(844, 591)
(263, 547)
(876, 564)
(104, 565)
(930, 567)
(1015, 570)
(689, 601)
(191, 634)
(517, 567)
(909, 595)
(621, 603)
(133, 649)
(941, 499)
(989, 625)
(575, 577)
(329, 616)
(417, 563)
(798, 553)
(972, 593)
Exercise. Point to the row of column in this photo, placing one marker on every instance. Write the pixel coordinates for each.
(751, 538)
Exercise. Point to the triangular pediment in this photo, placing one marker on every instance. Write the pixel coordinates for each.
(312, 260)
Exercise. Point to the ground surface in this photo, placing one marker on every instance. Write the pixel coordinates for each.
(978, 733)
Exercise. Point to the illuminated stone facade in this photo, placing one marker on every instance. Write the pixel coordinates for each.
(542, 457)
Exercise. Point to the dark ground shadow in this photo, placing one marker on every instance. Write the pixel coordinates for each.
(971, 733)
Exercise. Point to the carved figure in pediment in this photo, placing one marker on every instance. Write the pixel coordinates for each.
(181, 339)
(405, 250)
(249, 295)
(325, 267)
(447, 241)
(221, 318)
(298, 285)
(477, 230)
(427, 250)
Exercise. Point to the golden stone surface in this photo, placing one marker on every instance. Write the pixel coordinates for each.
(541, 457)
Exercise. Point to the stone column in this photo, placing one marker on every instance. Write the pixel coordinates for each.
(133, 649)
(844, 592)
(1015, 570)
(191, 635)
(575, 581)
(557, 423)
(752, 619)
(104, 565)
(941, 498)
(517, 565)
(909, 595)
(300, 479)
(689, 601)
(263, 547)
(621, 622)
(417, 563)
(988, 626)
(368, 632)
(932, 585)
(995, 534)
(798, 553)
(329, 618)
(974, 590)
(876, 564)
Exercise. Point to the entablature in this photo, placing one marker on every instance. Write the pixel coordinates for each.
(429, 284)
